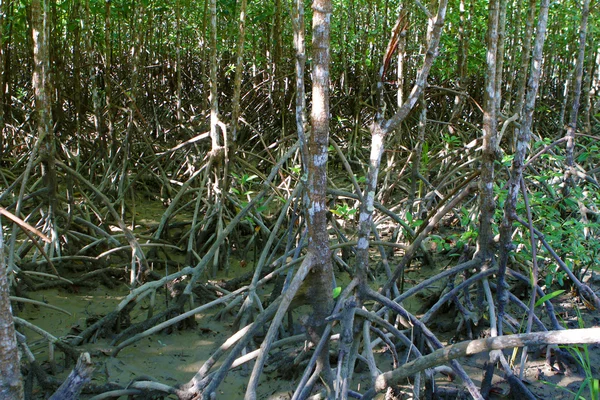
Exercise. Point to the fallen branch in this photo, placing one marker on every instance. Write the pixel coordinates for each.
(470, 347)
(79, 376)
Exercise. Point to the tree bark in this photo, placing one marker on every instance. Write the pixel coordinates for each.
(11, 382)
(3, 8)
(570, 162)
(45, 130)
(379, 130)
(111, 133)
(237, 82)
(299, 46)
(319, 281)
(471, 347)
(490, 127)
(79, 376)
(213, 97)
(526, 122)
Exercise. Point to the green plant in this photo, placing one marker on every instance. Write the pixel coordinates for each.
(582, 355)
(344, 211)
(243, 182)
(336, 292)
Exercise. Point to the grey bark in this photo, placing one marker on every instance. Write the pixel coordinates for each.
(213, 97)
(79, 376)
(570, 162)
(379, 130)
(11, 382)
(526, 122)
(319, 282)
(471, 347)
(237, 83)
(490, 129)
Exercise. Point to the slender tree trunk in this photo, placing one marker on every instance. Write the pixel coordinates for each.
(137, 32)
(379, 130)
(587, 88)
(77, 16)
(524, 67)
(464, 29)
(500, 56)
(3, 9)
(569, 161)
(41, 87)
(401, 61)
(213, 97)
(417, 154)
(237, 83)
(11, 382)
(111, 133)
(56, 63)
(526, 123)
(278, 94)
(94, 78)
(319, 281)
(7, 10)
(299, 46)
(565, 97)
(178, 61)
(487, 204)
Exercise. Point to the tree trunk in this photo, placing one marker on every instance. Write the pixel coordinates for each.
(11, 382)
(277, 76)
(524, 67)
(587, 88)
(3, 8)
(526, 122)
(178, 62)
(464, 30)
(111, 133)
(41, 87)
(299, 46)
(213, 97)
(78, 17)
(490, 125)
(569, 161)
(319, 281)
(237, 83)
(79, 376)
(7, 11)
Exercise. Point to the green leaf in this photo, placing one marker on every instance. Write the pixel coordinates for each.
(336, 292)
(549, 296)
(560, 279)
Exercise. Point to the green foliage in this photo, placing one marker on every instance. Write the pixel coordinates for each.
(548, 296)
(344, 211)
(242, 182)
(556, 216)
(581, 354)
(452, 140)
(336, 292)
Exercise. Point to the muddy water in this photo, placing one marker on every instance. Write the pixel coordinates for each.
(174, 358)
(167, 358)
